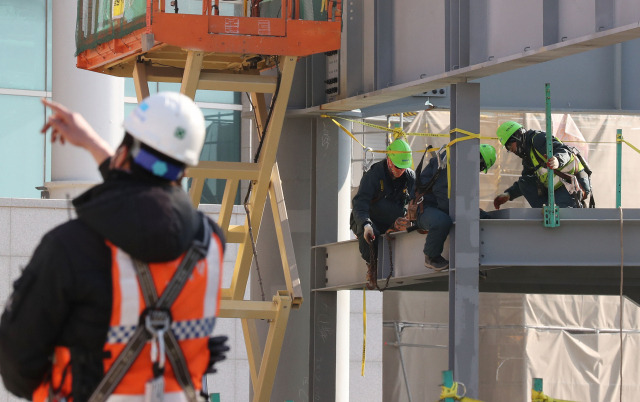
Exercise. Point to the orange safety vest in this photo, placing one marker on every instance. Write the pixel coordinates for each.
(193, 317)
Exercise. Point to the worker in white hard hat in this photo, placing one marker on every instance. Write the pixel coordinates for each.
(108, 300)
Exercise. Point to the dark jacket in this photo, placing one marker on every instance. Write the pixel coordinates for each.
(438, 197)
(538, 140)
(381, 199)
(64, 296)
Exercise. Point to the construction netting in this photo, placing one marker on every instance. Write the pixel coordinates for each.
(100, 21)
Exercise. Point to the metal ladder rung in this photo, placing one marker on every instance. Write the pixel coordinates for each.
(262, 310)
(236, 234)
(224, 170)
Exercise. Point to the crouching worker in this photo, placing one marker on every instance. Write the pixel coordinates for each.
(571, 181)
(121, 302)
(381, 201)
(433, 211)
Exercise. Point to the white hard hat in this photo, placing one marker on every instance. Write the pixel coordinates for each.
(170, 123)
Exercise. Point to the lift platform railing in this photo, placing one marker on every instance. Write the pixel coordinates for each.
(109, 31)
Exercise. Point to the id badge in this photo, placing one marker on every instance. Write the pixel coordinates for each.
(154, 390)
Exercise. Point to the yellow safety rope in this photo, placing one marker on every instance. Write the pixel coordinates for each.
(539, 396)
(364, 328)
(452, 393)
(397, 132)
(632, 147)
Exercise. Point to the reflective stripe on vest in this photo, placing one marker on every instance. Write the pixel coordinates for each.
(193, 317)
(571, 168)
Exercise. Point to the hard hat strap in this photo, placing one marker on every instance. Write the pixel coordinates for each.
(154, 164)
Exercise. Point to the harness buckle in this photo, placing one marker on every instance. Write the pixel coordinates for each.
(157, 323)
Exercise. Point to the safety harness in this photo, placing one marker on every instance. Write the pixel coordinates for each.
(155, 325)
(421, 190)
(567, 175)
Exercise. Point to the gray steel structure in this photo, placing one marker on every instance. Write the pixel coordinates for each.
(486, 54)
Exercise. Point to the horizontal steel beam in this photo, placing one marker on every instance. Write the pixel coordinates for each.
(517, 254)
(486, 69)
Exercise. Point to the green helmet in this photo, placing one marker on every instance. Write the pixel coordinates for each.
(487, 157)
(506, 130)
(401, 158)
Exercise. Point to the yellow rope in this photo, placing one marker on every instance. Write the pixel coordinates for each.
(632, 147)
(538, 396)
(364, 328)
(398, 133)
(452, 393)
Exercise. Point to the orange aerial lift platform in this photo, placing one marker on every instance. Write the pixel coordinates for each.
(224, 45)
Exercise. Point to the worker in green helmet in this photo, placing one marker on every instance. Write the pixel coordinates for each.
(381, 201)
(572, 185)
(432, 201)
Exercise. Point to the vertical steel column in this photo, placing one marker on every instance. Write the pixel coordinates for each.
(464, 207)
(331, 210)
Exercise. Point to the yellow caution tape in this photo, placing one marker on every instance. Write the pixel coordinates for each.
(397, 132)
(538, 396)
(364, 327)
(632, 147)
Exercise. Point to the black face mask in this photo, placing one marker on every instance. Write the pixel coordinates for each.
(517, 138)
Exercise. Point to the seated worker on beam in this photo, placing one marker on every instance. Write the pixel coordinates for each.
(572, 185)
(433, 204)
(381, 201)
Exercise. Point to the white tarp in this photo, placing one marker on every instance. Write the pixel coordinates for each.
(599, 131)
(571, 342)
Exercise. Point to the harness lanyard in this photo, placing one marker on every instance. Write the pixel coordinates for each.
(156, 306)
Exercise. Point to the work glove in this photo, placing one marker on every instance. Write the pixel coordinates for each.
(369, 236)
(412, 210)
(217, 350)
(500, 199)
(401, 224)
(553, 163)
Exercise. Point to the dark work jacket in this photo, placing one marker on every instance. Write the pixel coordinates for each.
(438, 197)
(538, 140)
(381, 204)
(64, 295)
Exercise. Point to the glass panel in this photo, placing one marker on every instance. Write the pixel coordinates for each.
(195, 7)
(21, 147)
(129, 88)
(49, 45)
(100, 21)
(22, 44)
(218, 96)
(222, 143)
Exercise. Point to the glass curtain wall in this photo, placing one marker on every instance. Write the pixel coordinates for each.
(25, 66)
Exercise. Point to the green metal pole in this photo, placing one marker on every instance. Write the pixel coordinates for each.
(551, 218)
(619, 168)
(537, 384)
(447, 381)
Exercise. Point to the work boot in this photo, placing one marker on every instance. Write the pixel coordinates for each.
(371, 278)
(437, 263)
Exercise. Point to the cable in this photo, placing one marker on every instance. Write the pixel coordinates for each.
(621, 298)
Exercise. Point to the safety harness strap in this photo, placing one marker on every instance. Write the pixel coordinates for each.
(125, 359)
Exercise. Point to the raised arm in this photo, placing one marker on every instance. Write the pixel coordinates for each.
(68, 126)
